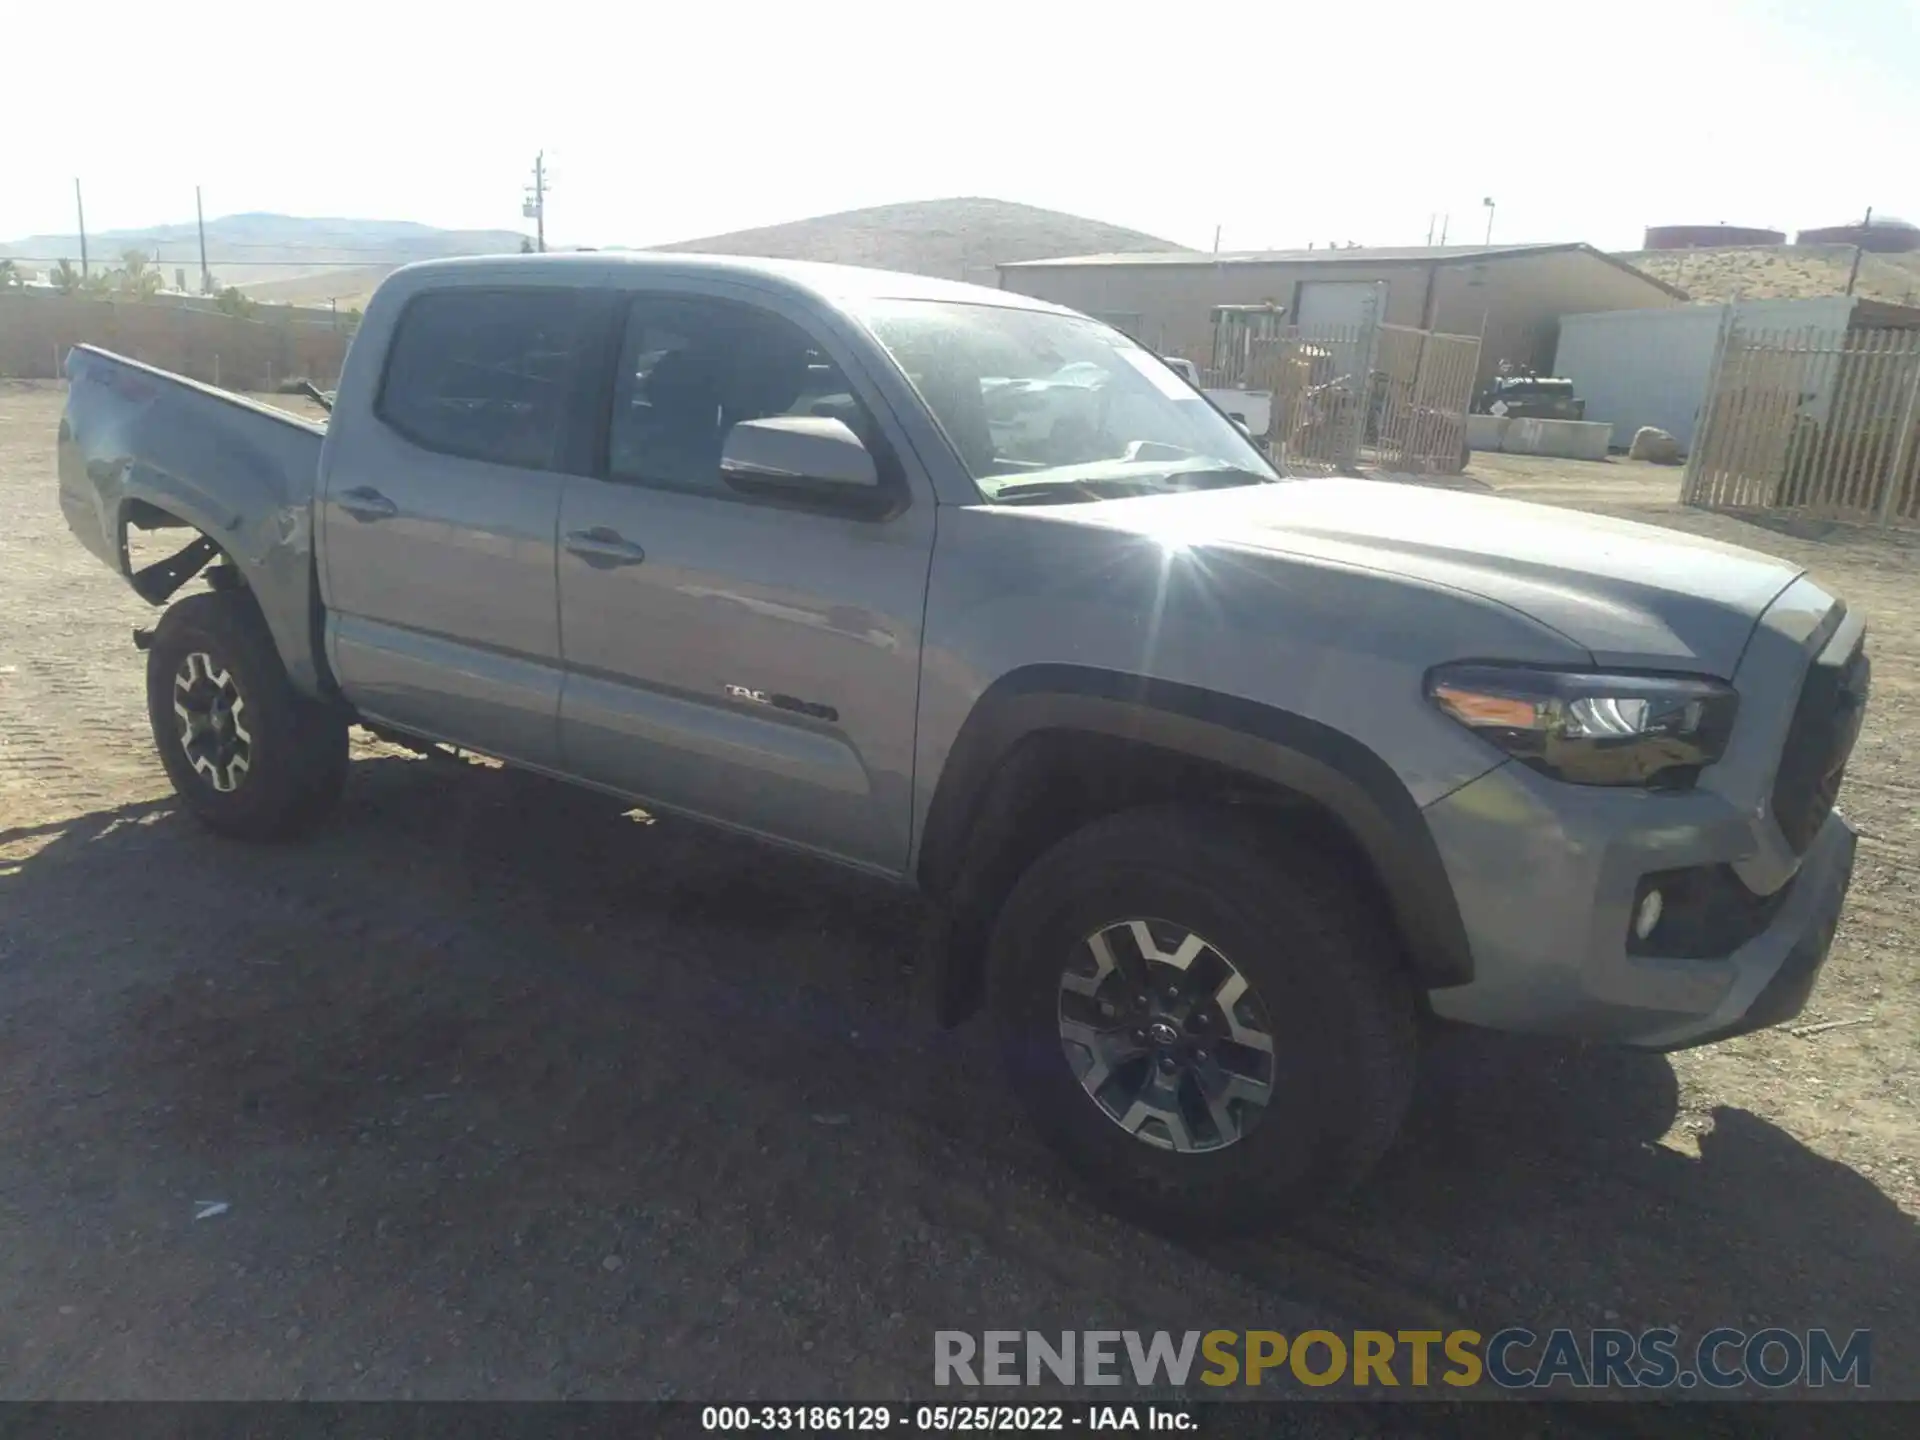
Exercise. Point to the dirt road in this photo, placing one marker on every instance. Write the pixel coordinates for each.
(507, 1095)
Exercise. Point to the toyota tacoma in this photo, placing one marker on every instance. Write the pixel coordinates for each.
(1220, 786)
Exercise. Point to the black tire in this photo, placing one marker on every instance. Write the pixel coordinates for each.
(295, 754)
(1310, 942)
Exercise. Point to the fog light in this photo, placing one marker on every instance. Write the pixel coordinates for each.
(1647, 915)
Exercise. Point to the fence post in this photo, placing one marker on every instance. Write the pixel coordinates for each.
(1703, 422)
(1903, 446)
(1366, 352)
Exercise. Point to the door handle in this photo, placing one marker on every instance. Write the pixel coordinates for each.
(604, 549)
(363, 502)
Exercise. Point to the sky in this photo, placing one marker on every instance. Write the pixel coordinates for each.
(1282, 123)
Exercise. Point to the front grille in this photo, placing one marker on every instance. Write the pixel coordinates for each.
(1826, 722)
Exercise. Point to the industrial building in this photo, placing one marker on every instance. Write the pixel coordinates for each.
(1514, 295)
(1638, 367)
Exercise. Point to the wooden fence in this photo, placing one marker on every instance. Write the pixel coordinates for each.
(37, 328)
(1820, 422)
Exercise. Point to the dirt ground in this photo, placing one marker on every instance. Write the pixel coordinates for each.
(507, 1095)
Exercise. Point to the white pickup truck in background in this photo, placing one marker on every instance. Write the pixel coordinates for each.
(1251, 408)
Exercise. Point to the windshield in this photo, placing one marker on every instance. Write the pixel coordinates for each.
(1049, 407)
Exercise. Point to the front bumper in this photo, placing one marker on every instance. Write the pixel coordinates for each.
(1753, 862)
(1549, 933)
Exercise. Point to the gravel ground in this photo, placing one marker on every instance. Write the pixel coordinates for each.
(508, 1095)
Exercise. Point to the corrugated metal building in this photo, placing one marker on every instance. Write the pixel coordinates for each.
(1516, 292)
(1652, 367)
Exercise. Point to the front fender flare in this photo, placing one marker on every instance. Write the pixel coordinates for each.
(1345, 778)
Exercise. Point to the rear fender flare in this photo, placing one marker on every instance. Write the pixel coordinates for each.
(221, 540)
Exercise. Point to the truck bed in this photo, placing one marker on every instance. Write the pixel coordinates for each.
(141, 447)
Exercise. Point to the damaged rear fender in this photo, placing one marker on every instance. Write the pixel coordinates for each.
(143, 449)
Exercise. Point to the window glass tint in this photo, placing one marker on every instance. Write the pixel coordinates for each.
(691, 368)
(484, 373)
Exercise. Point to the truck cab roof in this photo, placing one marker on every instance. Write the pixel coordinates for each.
(622, 270)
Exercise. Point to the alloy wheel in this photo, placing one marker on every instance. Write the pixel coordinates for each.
(1166, 1035)
(213, 727)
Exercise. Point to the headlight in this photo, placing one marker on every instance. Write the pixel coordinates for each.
(1652, 731)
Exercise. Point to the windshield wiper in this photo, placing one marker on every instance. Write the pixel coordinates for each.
(1049, 492)
(1115, 487)
(1210, 479)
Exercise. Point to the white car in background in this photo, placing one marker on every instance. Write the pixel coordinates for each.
(1251, 408)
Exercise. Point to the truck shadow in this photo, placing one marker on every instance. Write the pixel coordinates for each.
(477, 975)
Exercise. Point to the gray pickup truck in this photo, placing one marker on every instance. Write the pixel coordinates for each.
(1220, 786)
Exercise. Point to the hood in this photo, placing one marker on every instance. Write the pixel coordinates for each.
(1632, 595)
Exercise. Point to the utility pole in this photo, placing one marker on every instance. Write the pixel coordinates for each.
(200, 218)
(1488, 202)
(1854, 273)
(535, 207)
(81, 210)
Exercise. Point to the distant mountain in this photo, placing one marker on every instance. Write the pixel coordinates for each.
(957, 239)
(292, 260)
(256, 249)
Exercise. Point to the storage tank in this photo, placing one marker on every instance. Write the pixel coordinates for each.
(1886, 234)
(1701, 237)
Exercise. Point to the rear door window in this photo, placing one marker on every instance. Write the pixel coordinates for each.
(485, 374)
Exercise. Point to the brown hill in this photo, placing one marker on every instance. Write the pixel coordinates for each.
(1781, 272)
(348, 289)
(959, 239)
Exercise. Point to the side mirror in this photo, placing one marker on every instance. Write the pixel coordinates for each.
(802, 457)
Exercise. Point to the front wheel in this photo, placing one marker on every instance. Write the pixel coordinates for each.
(248, 754)
(1208, 1022)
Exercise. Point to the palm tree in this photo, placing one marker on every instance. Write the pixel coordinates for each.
(65, 278)
(10, 275)
(138, 278)
(98, 282)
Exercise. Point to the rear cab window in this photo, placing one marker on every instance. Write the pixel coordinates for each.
(486, 374)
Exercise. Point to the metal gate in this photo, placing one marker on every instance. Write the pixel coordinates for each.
(1343, 396)
(1318, 415)
(1417, 412)
(1819, 422)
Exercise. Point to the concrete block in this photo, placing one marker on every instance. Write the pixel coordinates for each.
(1561, 439)
(1487, 432)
